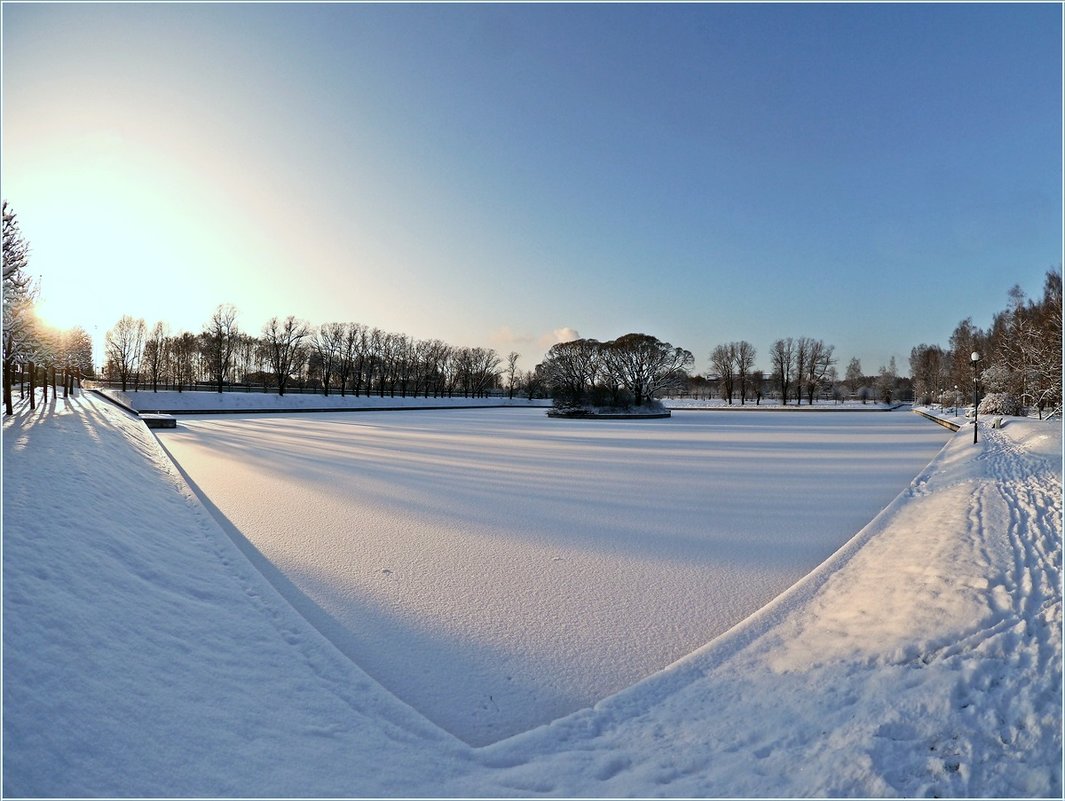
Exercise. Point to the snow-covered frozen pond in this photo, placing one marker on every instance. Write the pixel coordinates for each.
(497, 569)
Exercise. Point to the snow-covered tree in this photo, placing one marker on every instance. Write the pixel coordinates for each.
(887, 382)
(928, 369)
(19, 322)
(77, 349)
(853, 378)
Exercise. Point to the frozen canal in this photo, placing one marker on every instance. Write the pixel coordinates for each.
(497, 569)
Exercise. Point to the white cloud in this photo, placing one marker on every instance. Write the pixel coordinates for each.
(564, 334)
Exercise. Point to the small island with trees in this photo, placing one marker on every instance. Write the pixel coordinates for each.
(615, 379)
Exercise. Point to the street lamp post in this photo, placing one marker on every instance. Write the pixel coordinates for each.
(976, 394)
(955, 400)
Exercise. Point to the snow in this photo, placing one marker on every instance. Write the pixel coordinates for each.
(534, 566)
(202, 401)
(145, 654)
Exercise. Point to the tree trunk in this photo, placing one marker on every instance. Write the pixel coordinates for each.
(33, 388)
(7, 386)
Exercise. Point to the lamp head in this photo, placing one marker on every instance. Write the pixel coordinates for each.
(975, 357)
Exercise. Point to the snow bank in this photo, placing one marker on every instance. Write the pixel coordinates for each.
(144, 656)
(200, 401)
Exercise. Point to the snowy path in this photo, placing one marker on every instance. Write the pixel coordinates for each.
(497, 569)
(144, 656)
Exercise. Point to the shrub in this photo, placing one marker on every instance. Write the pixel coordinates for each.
(1000, 403)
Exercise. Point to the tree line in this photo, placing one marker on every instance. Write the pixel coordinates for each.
(1020, 355)
(34, 353)
(332, 358)
(1020, 358)
(801, 367)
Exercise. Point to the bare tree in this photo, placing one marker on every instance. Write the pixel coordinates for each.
(328, 344)
(512, 372)
(124, 345)
(647, 366)
(282, 340)
(803, 348)
(723, 365)
(436, 357)
(347, 350)
(782, 356)
(571, 368)
(219, 336)
(757, 382)
(374, 341)
(183, 349)
(356, 346)
(156, 355)
(745, 355)
(819, 362)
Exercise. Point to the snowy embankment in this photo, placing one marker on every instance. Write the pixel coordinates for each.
(193, 402)
(144, 655)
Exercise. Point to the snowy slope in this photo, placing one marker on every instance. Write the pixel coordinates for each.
(144, 655)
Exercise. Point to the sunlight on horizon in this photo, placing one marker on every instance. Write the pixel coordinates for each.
(115, 228)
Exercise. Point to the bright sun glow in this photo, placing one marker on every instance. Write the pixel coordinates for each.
(115, 231)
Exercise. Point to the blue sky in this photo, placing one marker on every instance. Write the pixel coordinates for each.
(499, 175)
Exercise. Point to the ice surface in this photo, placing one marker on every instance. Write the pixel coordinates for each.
(498, 569)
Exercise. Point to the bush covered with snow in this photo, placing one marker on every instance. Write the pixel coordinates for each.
(1001, 403)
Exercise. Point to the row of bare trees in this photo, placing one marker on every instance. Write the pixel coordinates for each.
(801, 366)
(341, 358)
(33, 353)
(1020, 354)
(732, 365)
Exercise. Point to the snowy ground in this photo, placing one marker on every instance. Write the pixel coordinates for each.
(144, 654)
(498, 569)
